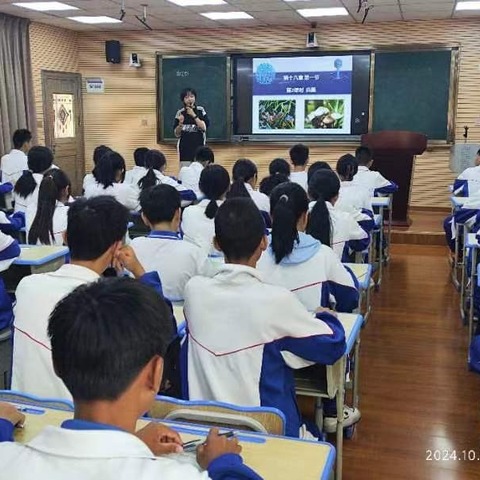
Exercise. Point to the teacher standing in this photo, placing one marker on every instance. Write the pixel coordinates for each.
(190, 126)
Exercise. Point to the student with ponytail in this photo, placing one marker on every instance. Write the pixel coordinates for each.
(245, 177)
(98, 153)
(346, 235)
(298, 261)
(46, 222)
(198, 220)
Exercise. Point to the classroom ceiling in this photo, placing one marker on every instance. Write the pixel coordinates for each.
(164, 15)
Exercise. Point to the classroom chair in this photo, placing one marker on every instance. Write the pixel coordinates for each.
(257, 419)
(13, 396)
(6, 352)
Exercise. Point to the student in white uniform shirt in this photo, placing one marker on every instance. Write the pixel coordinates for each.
(468, 182)
(98, 153)
(190, 176)
(374, 181)
(299, 262)
(138, 171)
(299, 157)
(164, 250)
(46, 222)
(245, 178)
(14, 163)
(246, 336)
(332, 227)
(108, 343)
(95, 232)
(198, 220)
(109, 173)
(25, 193)
(268, 184)
(156, 163)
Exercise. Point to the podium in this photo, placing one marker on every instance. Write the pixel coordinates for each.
(394, 153)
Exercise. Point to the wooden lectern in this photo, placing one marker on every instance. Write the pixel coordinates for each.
(393, 154)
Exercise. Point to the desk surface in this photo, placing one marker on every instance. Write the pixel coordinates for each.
(381, 202)
(363, 272)
(273, 458)
(459, 201)
(39, 254)
(352, 324)
(471, 241)
(178, 312)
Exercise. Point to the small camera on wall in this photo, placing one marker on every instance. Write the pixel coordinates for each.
(135, 60)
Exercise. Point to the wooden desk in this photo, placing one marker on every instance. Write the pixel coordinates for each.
(273, 458)
(363, 274)
(34, 259)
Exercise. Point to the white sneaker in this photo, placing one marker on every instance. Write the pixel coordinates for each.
(350, 417)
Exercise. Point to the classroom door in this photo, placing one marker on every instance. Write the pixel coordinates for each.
(63, 123)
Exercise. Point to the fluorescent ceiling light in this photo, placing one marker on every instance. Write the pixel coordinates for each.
(322, 12)
(95, 20)
(46, 6)
(468, 6)
(226, 15)
(197, 3)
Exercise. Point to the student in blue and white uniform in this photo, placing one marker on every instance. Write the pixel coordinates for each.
(338, 229)
(299, 157)
(240, 327)
(245, 178)
(109, 340)
(374, 181)
(198, 220)
(9, 250)
(14, 163)
(299, 262)
(190, 176)
(109, 173)
(138, 171)
(164, 250)
(468, 182)
(95, 232)
(98, 153)
(46, 222)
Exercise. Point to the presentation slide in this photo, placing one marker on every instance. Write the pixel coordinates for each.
(303, 95)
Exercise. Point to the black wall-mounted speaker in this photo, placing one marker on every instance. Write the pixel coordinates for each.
(112, 51)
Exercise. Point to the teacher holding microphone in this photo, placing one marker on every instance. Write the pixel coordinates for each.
(190, 127)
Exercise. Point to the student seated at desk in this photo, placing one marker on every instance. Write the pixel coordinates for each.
(9, 250)
(315, 166)
(95, 232)
(109, 173)
(468, 182)
(46, 222)
(299, 157)
(344, 234)
(198, 220)
(108, 342)
(279, 166)
(246, 336)
(190, 176)
(299, 262)
(269, 183)
(374, 181)
(98, 153)
(14, 163)
(245, 178)
(164, 250)
(138, 171)
(25, 193)
(468, 214)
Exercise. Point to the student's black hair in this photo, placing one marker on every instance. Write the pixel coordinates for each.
(347, 167)
(323, 186)
(139, 156)
(104, 333)
(478, 153)
(40, 159)
(94, 225)
(99, 152)
(315, 167)
(54, 182)
(363, 155)
(279, 165)
(105, 171)
(154, 160)
(299, 154)
(214, 184)
(186, 91)
(269, 183)
(243, 171)
(239, 228)
(20, 137)
(287, 204)
(204, 154)
(160, 203)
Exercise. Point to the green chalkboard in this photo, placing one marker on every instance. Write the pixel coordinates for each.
(209, 76)
(412, 92)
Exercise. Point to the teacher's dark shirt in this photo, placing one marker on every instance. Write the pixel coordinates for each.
(191, 137)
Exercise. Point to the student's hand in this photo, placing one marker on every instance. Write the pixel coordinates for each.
(161, 440)
(181, 119)
(190, 111)
(126, 258)
(10, 413)
(215, 446)
(326, 310)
